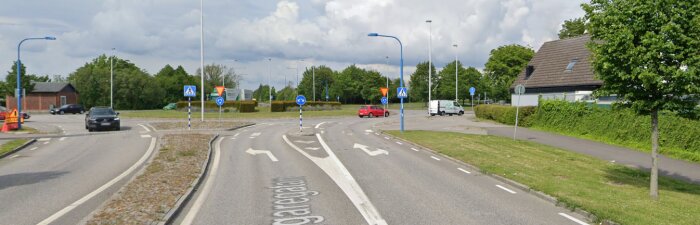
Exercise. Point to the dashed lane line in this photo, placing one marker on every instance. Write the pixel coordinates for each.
(61, 139)
(435, 158)
(414, 149)
(145, 136)
(505, 189)
(32, 149)
(463, 170)
(399, 143)
(44, 139)
(573, 219)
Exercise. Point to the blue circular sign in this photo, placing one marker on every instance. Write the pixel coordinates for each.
(219, 101)
(301, 100)
(384, 100)
(472, 90)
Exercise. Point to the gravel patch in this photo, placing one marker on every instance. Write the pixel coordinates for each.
(148, 197)
(182, 125)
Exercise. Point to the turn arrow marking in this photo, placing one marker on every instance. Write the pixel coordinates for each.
(268, 153)
(371, 153)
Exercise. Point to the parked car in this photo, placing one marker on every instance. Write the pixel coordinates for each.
(101, 117)
(170, 106)
(4, 111)
(445, 107)
(68, 108)
(372, 111)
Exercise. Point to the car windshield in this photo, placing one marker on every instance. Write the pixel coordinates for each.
(65, 106)
(102, 111)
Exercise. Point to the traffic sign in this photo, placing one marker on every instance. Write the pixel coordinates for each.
(472, 90)
(520, 89)
(219, 101)
(401, 92)
(220, 90)
(384, 100)
(190, 91)
(384, 91)
(301, 100)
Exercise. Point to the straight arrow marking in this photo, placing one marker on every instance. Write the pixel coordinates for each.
(268, 153)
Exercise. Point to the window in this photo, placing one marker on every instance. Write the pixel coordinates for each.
(571, 65)
(528, 71)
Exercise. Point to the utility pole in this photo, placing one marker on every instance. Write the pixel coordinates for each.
(430, 61)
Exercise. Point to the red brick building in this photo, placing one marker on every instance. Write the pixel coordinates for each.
(45, 95)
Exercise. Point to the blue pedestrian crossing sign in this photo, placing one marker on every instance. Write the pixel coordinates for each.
(401, 92)
(219, 101)
(190, 91)
(384, 101)
(472, 90)
(301, 100)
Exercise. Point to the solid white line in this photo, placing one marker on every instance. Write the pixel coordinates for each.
(44, 139)
(145, 128)
(399, 143)
(319, 125)
(414, 149)
(573, 219)
(189, 218)
(46, 143)
(145, 136)
(386, 138)
(61, 139)
(505, 189)
(32, 149)
(97, 191)
(14, 156)
(435, 158)
(463, 170)
(236, 135)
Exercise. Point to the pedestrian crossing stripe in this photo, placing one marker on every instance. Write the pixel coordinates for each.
(401, 93)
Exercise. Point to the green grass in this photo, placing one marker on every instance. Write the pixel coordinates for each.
(263, 112)
(11, 145)
(608, 190)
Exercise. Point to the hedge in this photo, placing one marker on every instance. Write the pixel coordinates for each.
(678, 136)
(242, 106)
(283, 106)
(505, 114)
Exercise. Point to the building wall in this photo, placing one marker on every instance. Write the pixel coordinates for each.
(533, 99)
(40, 102)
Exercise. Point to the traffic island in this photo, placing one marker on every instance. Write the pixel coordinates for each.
(224, 125)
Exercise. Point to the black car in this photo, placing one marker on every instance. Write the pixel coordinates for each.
(68, 108)
(101, 118)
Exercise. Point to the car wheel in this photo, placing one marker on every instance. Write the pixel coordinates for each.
(386, 114)
(81, 111)
(62, 112)
(370, 115)
(461, 113)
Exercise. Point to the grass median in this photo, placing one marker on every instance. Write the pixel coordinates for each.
(608, 190)
(262, 113)
(11, 145)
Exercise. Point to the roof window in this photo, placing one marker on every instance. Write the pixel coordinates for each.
(571, 65)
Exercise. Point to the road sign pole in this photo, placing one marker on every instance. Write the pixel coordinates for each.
(300, 119)
(189, 113)
(517, 111)
(219, 113)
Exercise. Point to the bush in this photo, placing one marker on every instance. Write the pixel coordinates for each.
(211, 105)
(505, 114)
(283, 106)
(677, 135)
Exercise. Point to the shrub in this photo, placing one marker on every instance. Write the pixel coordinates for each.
(283, 106)
(505, 114)
(211, 105)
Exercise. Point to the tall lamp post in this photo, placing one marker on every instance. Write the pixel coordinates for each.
(111, 80)
(456, 91)
(19, 78)
(430, 61)
(201, 51)
(401, 78)
(269, 82)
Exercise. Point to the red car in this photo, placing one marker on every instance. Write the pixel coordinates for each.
(372, 111)
(4, 111)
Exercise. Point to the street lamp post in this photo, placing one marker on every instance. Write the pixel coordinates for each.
(401, 78)
(313, 80)
(456, 91)
(269, 82)
(19, 78)
(430, 61)
(387, 85)
(201, 52)
(111, 80)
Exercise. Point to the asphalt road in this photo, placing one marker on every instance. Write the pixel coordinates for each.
(68, 172)
(342, 171)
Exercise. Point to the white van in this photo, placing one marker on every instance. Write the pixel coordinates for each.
(445, 107)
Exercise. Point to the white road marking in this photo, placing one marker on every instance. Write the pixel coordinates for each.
(233, 138)
(145, 128)
(371, 153)
(97, 191)
(386, 138)
(323, 132)
(463, 170)
(44, 139)
(254, 135)
(414, 149)
(305, 142)
(319, 125)
(145, 136)
(399, 143)
(311, 148)
(236, 135)
(266, 152)
(46, 143)
(435, 158)
(32, 149)
(14, 156)
(61, 139)
(368, 131)
(197, 205)
(505, 189)
(573, 219)
(335, 169)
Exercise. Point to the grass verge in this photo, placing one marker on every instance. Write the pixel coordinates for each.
(148, 197)
(11, 145)
(263, 112)
(607, 190)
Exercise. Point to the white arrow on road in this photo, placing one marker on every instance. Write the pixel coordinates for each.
(371, 153)
(268, 153)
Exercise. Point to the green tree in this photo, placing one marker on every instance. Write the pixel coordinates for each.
(262, 94)
(646, 52)
(347, 85)
(218, 75)
(503, 66)
(418, 87)
(172, 81)
(323, 75)
(287, 93)
(572, 28)
(28, 80)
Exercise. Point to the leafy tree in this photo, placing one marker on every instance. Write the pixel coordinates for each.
(323, 75)
(262, 93)
(418, 87)
(172, 81)
(572, 28)
(287, 93)
(503, 66)
(28, 80)
(217, 75)
(347, 85)
(646, 52)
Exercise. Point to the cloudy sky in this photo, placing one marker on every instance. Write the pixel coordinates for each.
(152, 33)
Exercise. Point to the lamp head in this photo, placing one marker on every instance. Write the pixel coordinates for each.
(372, 34)
(50, 38)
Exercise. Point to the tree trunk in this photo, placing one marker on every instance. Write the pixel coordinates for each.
(654, 186)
